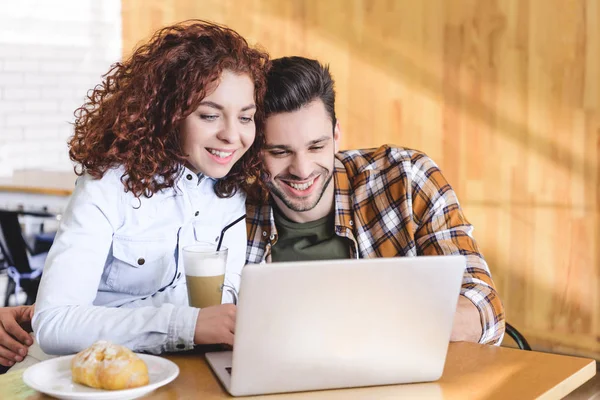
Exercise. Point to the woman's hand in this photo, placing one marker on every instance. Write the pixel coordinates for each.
(216, 324)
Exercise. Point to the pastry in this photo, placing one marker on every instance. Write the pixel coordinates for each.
(105, 365)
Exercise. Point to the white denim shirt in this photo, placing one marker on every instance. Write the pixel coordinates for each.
(115, 270)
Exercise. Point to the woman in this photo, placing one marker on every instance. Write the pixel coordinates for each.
(166, 146)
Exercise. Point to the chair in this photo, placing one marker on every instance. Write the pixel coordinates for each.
(24, 269)
(517, 337)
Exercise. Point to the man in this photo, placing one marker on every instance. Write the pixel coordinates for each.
(321, 204)
(15, 322)
(383, 202)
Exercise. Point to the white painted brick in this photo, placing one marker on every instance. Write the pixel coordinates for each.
(35, 147)
(17, 162)
(58, 93)
(68, 107)
(55, 52)
(15, 51)
(59, 148)
(6, 170)
(50, 159)
(14, 150)
(40, 134)
(34, 160)
(47, 156)
(46, 79)
(14, 135)
(60, 158)
(56, 119)
(62, 143)
(46, 71)
(88, 81)
(46, 106)
(11, 106)
(10, 51)
(8, 79)
(65, 135)
(22, 119)
(72, 52)
(11, 93)
(74, 79)
(50, 144)
(57, 66)
(20, 65)
(60, 162)
(40, 79)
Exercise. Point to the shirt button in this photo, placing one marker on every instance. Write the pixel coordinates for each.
(197, 213)
(188, 177)
(141, 261)
(351, 222)
(272, 237)
(180, 346)
(264, 233)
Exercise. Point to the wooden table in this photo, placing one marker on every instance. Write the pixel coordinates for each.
(35, 181)
(472, 371)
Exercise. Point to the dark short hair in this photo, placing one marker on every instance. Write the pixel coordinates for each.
(293, 82)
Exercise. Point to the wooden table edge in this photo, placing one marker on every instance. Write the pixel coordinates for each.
(565, 387)
(36, 190)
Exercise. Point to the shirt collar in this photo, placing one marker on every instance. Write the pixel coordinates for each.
(190, 180)
(342, 198)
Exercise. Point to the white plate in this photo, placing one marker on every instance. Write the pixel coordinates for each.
(53, 377)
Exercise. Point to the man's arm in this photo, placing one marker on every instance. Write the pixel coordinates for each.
(467, 324)
(442, 229)
(15, 322)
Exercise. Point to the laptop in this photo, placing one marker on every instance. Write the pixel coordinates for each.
(344, 323)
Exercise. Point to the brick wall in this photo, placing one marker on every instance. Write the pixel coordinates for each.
(51, 54)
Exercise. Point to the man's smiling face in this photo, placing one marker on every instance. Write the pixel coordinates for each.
(299, 157)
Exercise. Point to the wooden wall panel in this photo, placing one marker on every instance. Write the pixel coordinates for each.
(503, 94)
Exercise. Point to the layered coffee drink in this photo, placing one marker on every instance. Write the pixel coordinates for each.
(205, 274)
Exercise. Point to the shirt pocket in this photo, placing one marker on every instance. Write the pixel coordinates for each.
(140, 266)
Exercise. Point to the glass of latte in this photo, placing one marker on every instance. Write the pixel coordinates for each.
(204, 267)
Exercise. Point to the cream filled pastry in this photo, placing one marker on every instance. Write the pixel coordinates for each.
(105, 365)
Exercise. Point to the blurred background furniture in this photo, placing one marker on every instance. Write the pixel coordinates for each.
(39, 198)
(23, 264)
(517, 337)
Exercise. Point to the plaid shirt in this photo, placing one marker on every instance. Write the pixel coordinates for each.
(394, 202)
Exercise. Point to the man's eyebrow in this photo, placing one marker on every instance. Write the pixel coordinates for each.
(319, 140)
(322, 139)
(276, 147)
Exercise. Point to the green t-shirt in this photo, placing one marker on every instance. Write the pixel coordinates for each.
(314, 240)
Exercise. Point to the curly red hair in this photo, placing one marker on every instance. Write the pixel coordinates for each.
(132, 119)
